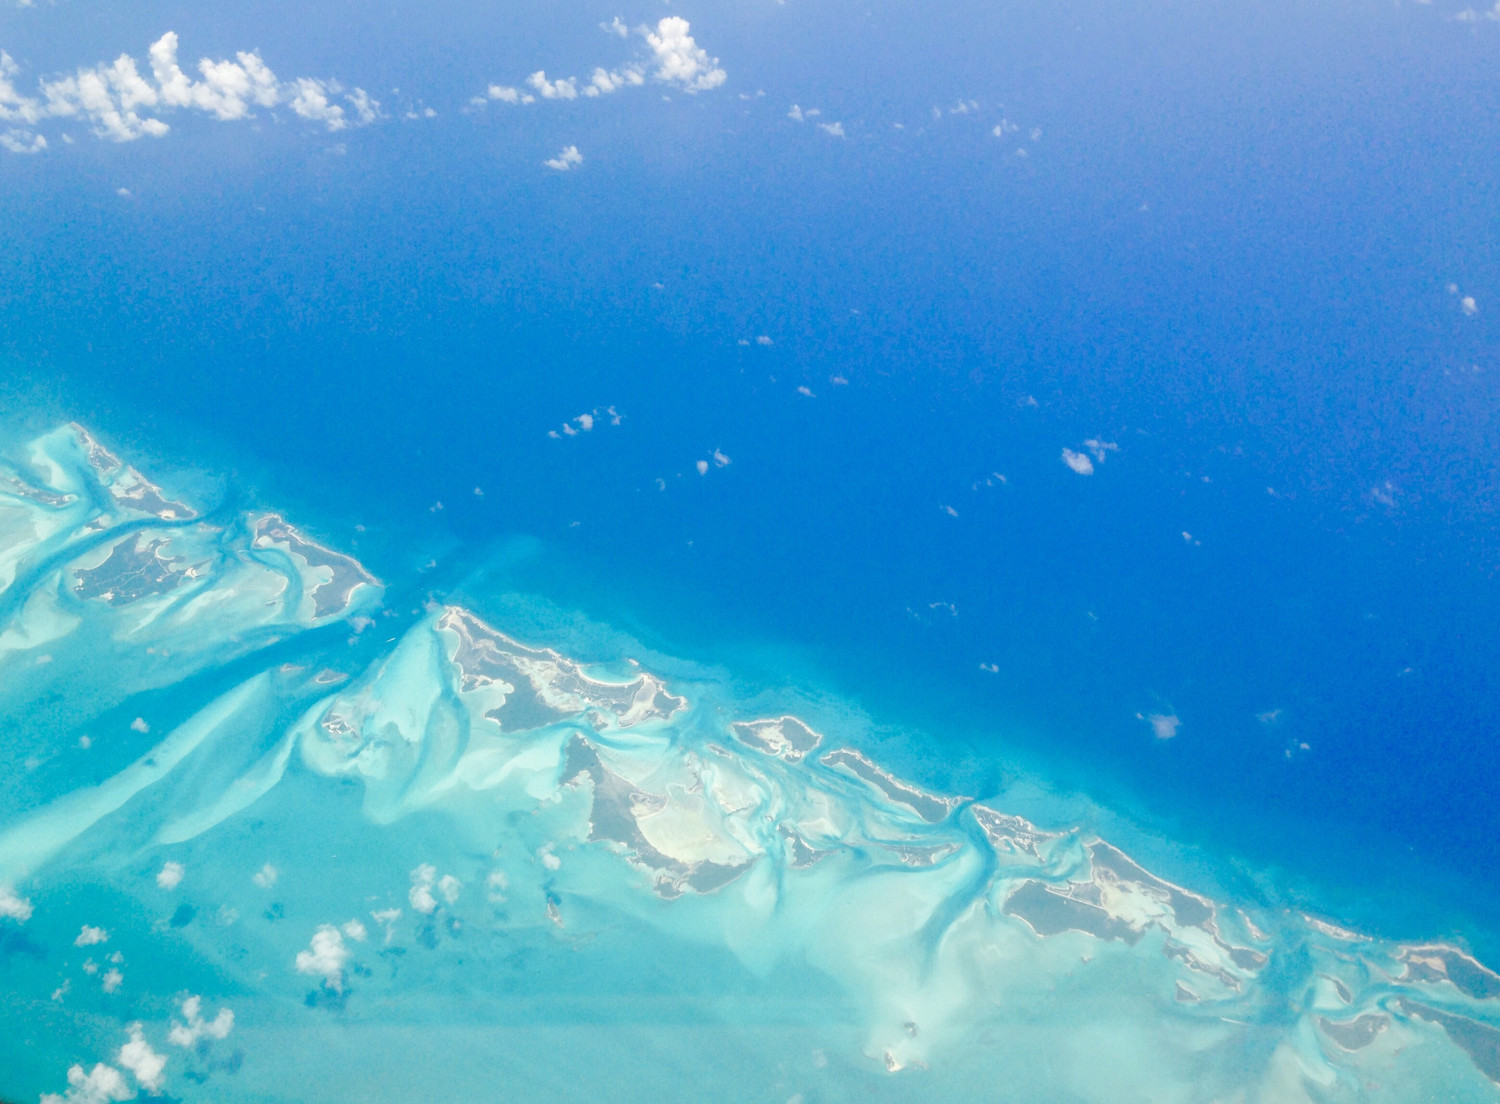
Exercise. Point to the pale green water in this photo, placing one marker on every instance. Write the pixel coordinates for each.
(418, 859)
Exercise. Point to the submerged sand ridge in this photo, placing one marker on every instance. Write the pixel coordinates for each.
(501, 798)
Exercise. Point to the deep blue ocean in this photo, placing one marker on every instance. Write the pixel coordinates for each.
(1224, 257)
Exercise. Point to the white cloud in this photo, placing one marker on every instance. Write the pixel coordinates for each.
(420, 894)
(22, 141)
(138, 1057)
(195, 1027)
(506, 94)
(325, 957)
(449, 887)
(310, 99)
(12, 906)
(227, 91)
(123, 104)
(367, 109)
(763, 340)
(605, 81)
(1078, 462)
(100, 1085)
(89, 936)
(113, 979)
(140, 725)
(565, 89)
(170, 875)
(1100, 449)
(15, 107)
(355, 931)
(835, 129)
(720, 460)
(497, 883)
(1468, 305)
(1163, 725)
(680, 60)
(387, 918)
(266, 877)
(569, 158)
(676, 59)
(702, 466)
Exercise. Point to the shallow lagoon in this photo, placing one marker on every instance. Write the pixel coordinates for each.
(412, 855)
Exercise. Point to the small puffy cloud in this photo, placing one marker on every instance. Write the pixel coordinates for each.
(15, 107)
(310, 99)
(355, 931)
(170, 875)
(325, 957)
(420, 894)
(1468, 306)
(1100, 449)
(89, 936)
(675, 59)
(506, 94)
(764, 340)
(266, 877)
(387, 918)
(22, 141)
(1078, 462)
(139, 724)
(835, 129)
(1163, 725)
(227, 91)
(495, 886)
(702, 466)
(721, 460)
(680, 60)
(112, 980)
(100, 1085)
(122, 102)
(569, 158)
(449, 887)
(138, 1057)
(13, 906)
(195, 1027)
(566, 89)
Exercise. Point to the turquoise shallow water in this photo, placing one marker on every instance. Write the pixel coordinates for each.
(273, 832)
